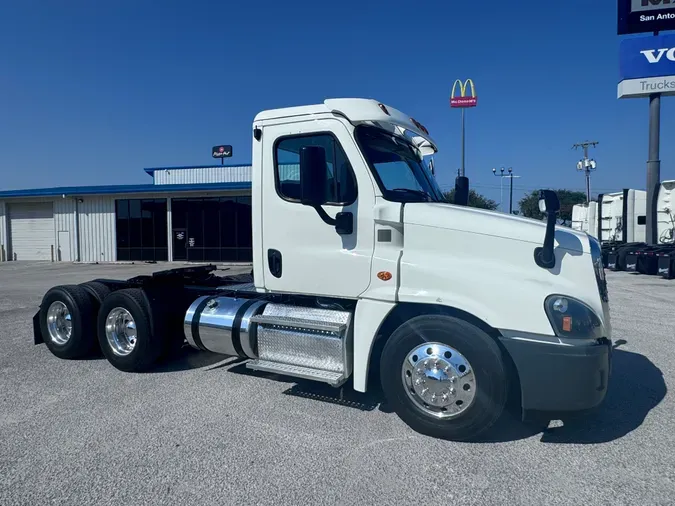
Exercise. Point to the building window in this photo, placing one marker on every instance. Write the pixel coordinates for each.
(212, 229)
(141, 229)
(341, 183)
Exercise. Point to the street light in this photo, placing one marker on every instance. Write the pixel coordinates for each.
(501, 175)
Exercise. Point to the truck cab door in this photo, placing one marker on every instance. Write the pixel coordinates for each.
(303, 254)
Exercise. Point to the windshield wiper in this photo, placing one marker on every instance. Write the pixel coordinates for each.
(420, 193)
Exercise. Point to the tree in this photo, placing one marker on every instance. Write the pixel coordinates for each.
(475, 200)
(529, 205)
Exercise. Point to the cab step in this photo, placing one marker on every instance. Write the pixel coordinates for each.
(332, 378)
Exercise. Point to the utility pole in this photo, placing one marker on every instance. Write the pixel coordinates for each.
(586, 164)
(501, 175)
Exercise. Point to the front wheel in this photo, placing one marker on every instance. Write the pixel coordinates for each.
(444, 377)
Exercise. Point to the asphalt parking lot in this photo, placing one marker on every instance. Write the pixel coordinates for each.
(201, 431)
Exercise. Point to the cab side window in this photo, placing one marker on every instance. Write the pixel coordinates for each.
(341, 186)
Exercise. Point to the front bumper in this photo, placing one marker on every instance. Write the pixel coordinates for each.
(558, 377)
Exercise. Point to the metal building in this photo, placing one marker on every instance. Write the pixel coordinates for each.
(188, 213)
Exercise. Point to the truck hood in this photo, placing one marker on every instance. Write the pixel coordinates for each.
(491, 223)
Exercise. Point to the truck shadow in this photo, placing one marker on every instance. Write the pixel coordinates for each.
(636, 387)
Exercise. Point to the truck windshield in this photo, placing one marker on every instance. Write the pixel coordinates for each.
(400, 174)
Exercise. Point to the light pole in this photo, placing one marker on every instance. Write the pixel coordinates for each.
(501, 175)
(586, 164)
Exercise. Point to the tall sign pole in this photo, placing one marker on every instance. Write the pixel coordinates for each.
(461, 169)
(647, 70)
(653, 167)
(463, 101)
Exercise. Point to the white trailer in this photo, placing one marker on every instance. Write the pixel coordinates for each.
(584, 218)
(362, 272)
(622, 216)
(665, 213)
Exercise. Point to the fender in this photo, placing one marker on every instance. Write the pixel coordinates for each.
(373, 316)
(368, 318)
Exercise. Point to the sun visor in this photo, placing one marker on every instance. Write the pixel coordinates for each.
(360, 110)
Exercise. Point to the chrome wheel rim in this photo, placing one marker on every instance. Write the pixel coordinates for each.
(59, 323)
(120, 331)
(439, 380)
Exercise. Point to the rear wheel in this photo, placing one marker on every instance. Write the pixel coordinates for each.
(67, 322)
(97, 290)
(126, 333)
(444, 377)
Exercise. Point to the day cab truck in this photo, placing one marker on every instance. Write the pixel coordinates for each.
(363, 273)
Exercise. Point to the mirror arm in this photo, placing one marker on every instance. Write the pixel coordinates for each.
(324, 216)
(544, 256)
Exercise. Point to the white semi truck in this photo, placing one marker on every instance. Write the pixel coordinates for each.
(362, 272)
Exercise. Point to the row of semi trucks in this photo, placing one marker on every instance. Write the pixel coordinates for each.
(619, 221)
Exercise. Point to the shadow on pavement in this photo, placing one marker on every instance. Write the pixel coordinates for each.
(187, 358)
(636, 386)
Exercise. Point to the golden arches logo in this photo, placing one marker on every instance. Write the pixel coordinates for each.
(463, 100)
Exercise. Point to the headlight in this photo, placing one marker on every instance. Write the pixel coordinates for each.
(572, 318)
(598, 267)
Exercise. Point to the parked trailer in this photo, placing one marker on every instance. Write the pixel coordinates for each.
(651, 259)
(621, 216)
(363, 273)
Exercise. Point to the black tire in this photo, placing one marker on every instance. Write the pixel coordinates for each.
(82, 340)
(149, 342)
(97, 290)
(485, 358)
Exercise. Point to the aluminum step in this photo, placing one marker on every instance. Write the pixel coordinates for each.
(298, 323)
(332, 378)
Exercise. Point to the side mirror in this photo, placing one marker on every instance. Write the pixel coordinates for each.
(548, 201)
(544, 256)
(313, 176)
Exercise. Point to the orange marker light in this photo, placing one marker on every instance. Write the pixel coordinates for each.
(384, 275)
(567, 323)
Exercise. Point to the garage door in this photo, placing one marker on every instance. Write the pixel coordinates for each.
(31, 231)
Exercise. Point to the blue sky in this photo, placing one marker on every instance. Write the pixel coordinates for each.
(93, 92)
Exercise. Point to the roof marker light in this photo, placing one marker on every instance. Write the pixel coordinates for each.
(419, 125)
(384, 109)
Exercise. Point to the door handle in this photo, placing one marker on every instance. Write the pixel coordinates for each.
(274, 262)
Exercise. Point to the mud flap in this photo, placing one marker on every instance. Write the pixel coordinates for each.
(37, 333)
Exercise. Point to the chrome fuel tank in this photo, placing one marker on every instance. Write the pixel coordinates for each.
(222, 325)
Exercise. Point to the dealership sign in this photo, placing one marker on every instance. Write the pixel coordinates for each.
(463, 100)
(639, 16)
(647, 57)
(647, 66)
(640, 88)
(221, 151)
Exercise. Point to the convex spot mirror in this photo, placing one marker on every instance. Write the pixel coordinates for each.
(548, 201)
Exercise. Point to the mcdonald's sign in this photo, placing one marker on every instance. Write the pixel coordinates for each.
(463, 100)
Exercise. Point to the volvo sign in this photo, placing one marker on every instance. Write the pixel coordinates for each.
(647, 66)
(639, 16)
(647, 57)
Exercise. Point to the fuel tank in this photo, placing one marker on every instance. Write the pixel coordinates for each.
(223, 325)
